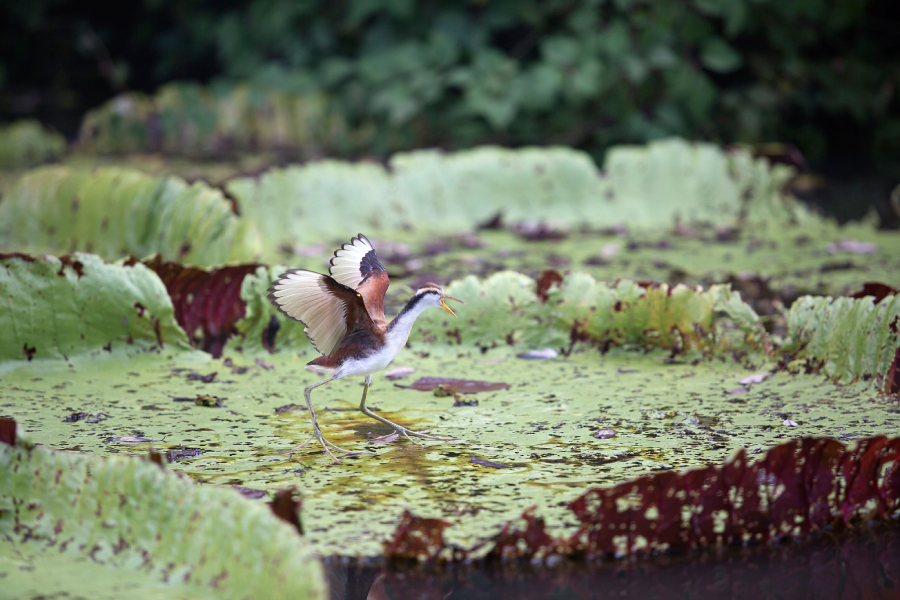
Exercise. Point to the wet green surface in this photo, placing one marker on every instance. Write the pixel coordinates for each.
(664, 416)
(33, 571)
(139, 524)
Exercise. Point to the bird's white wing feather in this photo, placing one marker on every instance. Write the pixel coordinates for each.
(305, 297)
(354, 262)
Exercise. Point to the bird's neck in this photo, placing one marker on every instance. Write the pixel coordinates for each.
(403, 322)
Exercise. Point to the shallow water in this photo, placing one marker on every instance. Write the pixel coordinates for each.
(863, 565)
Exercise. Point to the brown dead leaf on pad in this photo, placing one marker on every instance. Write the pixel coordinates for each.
(459, 386)
(879, 291)
(287, 508)
(7, 431)
(547, 280)
(417, 538)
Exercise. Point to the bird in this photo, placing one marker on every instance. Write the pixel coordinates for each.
(343, 316)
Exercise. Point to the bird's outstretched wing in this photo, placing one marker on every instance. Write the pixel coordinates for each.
(328, 309)
(356, 266)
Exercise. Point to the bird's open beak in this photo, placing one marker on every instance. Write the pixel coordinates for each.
(447, 307)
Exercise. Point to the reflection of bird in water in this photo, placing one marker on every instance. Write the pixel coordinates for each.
(344, 319)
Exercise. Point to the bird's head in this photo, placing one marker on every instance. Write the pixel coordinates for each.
(433, 295)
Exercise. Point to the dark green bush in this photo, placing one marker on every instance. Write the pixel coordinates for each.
(586, 73)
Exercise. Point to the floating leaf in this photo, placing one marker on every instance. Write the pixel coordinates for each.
(127, 513)
(799, 487)
(436, 191)
(26, 143)
(117, 212)
(850, 340)
(63, 308)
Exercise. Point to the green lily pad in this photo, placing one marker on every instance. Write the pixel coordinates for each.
(506, 309)
(651, 186)
(548, 427)
(79, 308)
(145, 526)
(26, 143)
(854, 341)
(191, 120)
(118, 212)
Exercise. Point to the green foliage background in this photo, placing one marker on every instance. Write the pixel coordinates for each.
(586, 73)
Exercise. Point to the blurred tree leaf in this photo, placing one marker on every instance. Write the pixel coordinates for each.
(718, 56)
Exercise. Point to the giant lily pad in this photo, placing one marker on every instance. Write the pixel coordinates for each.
(118, 212)
(547, 427)
(432, 191)
(193, 120)
(27, 143)
(652, 374)
(75, 512)
(81, 307)
(851, 340)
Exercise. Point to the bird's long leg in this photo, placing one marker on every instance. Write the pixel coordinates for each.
(317, 432)
(400, 429)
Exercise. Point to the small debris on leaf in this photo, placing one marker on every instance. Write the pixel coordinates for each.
(173, 455)
(758, 378)
(261, 363)
(399, 373)
(789, 423)
(207, 400)
(86, 417)
(131, 440)
(386, 439)
(852, 246)
(75, 417)
(457, 401)
(541, 354)
(444, 389)
(486, 463)
(609, 250)
(461, 386)
(539, 231)
(693, 419)
(285, 408)
(249, 492)
(604, 434)
(492, 361)
(738, 391)
(495, 222)
(204, 378)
